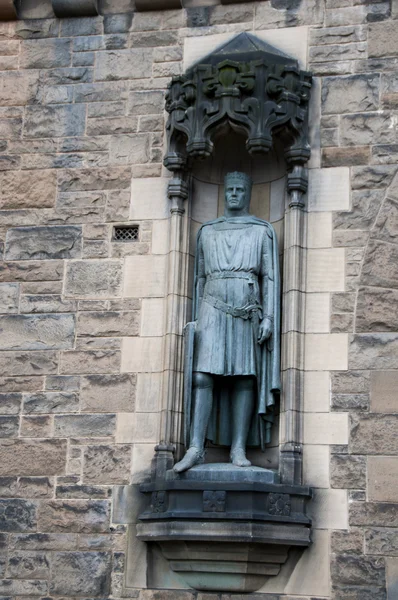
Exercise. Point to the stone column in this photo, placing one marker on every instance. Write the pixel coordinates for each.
(293, 308)
(176, 318)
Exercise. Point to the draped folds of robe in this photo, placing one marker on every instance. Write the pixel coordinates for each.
(236, 259)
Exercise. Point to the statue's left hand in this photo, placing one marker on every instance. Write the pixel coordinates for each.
(265, 330)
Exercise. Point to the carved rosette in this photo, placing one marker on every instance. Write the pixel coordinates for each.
(261, 94)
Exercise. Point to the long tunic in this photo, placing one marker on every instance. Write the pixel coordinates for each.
(232, 262)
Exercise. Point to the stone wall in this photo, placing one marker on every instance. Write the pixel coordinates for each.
(82, 315)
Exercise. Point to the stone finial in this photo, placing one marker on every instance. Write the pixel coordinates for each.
(74, 8)
(7, 10)
(142, 5)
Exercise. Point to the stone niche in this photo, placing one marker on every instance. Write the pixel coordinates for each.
(244, 107)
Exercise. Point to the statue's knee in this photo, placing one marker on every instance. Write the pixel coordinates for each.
(244, 384)
(202, 380)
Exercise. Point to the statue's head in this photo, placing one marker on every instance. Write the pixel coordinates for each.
(238, 189)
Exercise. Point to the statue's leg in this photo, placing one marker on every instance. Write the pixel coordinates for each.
(242, 413)
(202, 404)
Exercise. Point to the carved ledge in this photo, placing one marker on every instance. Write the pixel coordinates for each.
(142, 5)
(223, 528)
(8, 11)
(75, 8)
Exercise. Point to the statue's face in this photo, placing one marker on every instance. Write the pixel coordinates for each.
(237, 195)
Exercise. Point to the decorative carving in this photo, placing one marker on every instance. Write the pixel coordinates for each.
(214, 501)
(141, 5)
(247, 85)
(75, 8)
(279, 505)
(158, 502)
(7, 10)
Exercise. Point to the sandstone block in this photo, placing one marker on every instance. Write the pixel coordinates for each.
(379, 265)
(17, 515)
(134, 63)
(348, 471)
(62, 383)
(374, 434)
(55, 121)
(383, 39)
(382, 478)
(43, 541)
(377, 310)
(382, 541)
(18, 384)
(97, 278)
(51, 402)
(99, 393)
(383, 391)
(386, 226)
(84, 425)
(17, 88)
(79, 516)
(107, 464)
(354, 93)
(347, 541)
(127, 149)
(146, 103)
(344, 402)
(80, 573)
(46, 303)
(32, 457)
(373, 514)
(27, 189)
(45, 53)
(91, 361)
(36, 426)
(48, 332)
(109, 324)
(28, 363)
(357, 570)
(337, 157)
(28, 565)
(9, 295)
(24, 243)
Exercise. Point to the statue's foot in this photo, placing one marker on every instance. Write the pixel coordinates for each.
(238, 458)
(194, 456)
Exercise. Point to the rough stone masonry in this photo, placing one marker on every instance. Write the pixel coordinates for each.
(81, 141)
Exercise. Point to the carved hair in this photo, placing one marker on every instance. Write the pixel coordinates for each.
(241, 177)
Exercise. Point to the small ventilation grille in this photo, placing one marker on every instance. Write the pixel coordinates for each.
(128, 233)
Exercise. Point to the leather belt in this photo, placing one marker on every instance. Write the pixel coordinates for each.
(232, 275)
(243, 312)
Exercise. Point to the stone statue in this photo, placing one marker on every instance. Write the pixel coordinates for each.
(232, 375)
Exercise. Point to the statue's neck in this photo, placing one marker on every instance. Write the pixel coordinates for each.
(229, 214)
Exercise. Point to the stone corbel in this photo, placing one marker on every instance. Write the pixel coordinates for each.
(75, 8)
(142, 5)
(8, 11)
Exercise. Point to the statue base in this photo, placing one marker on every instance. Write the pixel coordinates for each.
(224, 528)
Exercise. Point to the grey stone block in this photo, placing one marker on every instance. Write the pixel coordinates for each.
(344, 542)
(94, 278)
(38, 332)
(377, 176)
(63, 383)
(27, 243)
(146, 103)
(356, 592)
(28, 565)
(91, 492)
(32, 457)
(102, 392)
(90, 361)
(383, 39)
(348, 472)
(366, 128)
(77, 516)
(18, 89)
(107, 464)
(51, 402)
(134, 63)
(377, 310)
(110, 178)
(17, 515)
(120, 23)
(46, 303)
(344, 402)
(357, 570)
(28, 363)
(36, 426)
(129, 149)
(381, 541)
(379, 265)
(46, 53)
(365, 206)
(354, 93)
(43, 541)
(55, 121)
(9, 427)
(109, 324)
(9, 297)
(80, 573)
(374, 434)
(84, 425)
(35, 29)
(10, 403)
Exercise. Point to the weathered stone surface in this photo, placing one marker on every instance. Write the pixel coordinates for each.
(357, 570)
(51, 402)
(345, 542)
(28, 565)
(10, 403)
(383, 39)
(17, 88)
(91, 361)
(62, 383)
(383, 391)
(363, 129)
(386, 226)
(23, 587)
(36, 426)
(9, 296)
(9, 427)
(357, 592)
(80, 573)
(343, 402)
(29, 243)
(374, 434)
(381, 541)
(92, 492)
(80, 516)
(46, 53)
(94, 278)
(375, 514)
(43, 541)
(39, 332)
(109, 324)
(377, 310)
(107, 464)
(348, 472)
(17, 515)
(104, 392)
(46, 303)
(134, 63)
(348, 156)
(28, 363)
(382, 476)
(84, 425)
(27, 189)
(354, 93)
(32, 457)
(55, 121)
(127, 149)
(379, 268)
(365, 206)
(146, 103)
